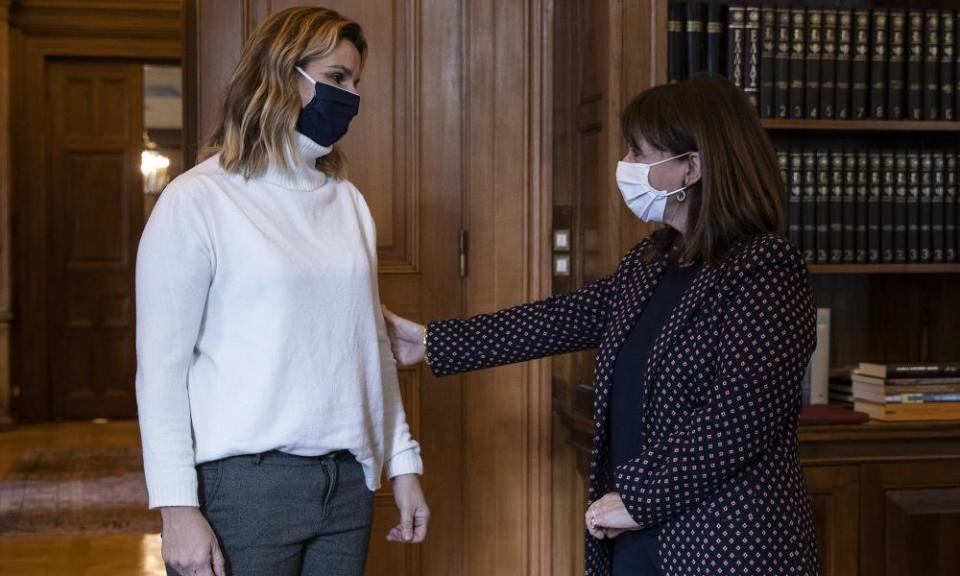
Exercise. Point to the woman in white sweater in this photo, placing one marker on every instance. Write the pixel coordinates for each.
(268, 395)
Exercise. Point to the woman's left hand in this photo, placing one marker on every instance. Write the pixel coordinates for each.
(414, 513)
(608, 517)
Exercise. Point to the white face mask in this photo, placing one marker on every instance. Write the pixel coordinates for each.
(648, 203)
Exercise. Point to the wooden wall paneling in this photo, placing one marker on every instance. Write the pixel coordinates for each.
(539, 419)
(31, 235)
(218, 31)
(836, 500)
(495, 402)
(910, 518)
(641, 62)
(600, 62)
(6, 135)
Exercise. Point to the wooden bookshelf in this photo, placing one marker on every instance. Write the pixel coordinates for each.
(779, 125)
(884, 268)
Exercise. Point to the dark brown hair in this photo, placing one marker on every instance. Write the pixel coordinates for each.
(740, 193)
(262, 103)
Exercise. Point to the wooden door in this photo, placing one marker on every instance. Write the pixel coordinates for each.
(94, 215)
(404, 154)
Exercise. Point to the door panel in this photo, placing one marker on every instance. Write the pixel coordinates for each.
(836, 516)
(910, 518)
(404, 155)
(95, 212)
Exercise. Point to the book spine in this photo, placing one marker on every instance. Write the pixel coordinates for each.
(809, 217)
(694, 28)
(812, 65)
(950, 249)
(676, 46)
(915, 65)
(716, 18)
(861, 199)
(844, 50)
(795, 200)
(735, 44)
(931, 65)
(849, 219)
(914, 217)
(751, 54)
(798, 44)
(823, 207)
(956, 68)
(895, 86)
(781, 97)
(897, 371)
(874, 200)
(900, 193)
(837, 197)
(938, 218)
(820, 360)
(887, 223)
(861, 63)
(922, 397)
(947, 65)
(828, 65)
(901, 388)
(926, 207)
(768, 50)
(878, 65)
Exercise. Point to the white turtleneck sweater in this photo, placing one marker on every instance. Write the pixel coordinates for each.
(259, 327)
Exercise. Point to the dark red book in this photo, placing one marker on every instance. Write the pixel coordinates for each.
(824, 414)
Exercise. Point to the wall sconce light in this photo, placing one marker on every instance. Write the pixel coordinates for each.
(153, 166)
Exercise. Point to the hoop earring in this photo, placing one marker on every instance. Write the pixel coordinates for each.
(681, 196)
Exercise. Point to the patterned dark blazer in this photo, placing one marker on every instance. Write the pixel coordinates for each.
(718, 469)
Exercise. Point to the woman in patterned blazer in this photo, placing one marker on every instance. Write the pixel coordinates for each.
(703, 332)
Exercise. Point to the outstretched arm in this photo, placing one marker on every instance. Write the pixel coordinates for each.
(556, 325)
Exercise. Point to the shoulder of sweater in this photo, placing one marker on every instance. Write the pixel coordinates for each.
(356, 196)
(205, 176)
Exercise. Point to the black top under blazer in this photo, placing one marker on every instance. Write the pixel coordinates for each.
(718, 469)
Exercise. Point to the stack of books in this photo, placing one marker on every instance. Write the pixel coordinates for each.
(907, 392)
(841, 389)
(873, 206)
(823, 63)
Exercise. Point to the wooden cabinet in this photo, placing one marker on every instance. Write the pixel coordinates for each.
(886, 497)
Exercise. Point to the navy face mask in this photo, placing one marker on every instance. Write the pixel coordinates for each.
(326, 118)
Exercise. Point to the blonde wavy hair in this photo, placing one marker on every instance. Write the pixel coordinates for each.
(262, 101)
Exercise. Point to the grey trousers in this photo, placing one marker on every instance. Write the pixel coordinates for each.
(281, 515)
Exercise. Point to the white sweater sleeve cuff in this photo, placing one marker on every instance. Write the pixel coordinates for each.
(179, 494)
(406, 462)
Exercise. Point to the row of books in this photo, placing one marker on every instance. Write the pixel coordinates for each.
(904, 392)
(876, 206)
(813, 63)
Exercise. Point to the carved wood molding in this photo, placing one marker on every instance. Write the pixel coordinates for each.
(6, 315)
(140, 18)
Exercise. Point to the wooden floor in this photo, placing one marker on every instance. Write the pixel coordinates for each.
(81, 555)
